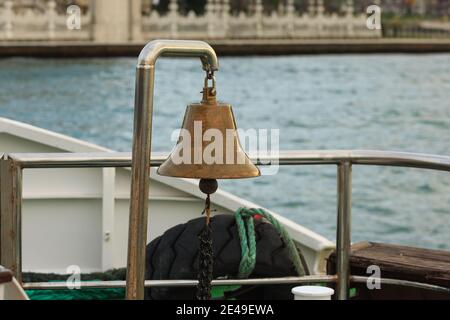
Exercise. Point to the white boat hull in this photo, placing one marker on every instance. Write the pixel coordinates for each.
(79, 217)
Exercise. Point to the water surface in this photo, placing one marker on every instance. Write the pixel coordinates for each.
(386, 102)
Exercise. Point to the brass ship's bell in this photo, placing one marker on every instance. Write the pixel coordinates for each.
(208, 146)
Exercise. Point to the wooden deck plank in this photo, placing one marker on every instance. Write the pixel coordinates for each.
(403, 262)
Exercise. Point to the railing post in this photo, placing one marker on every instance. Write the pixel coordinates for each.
(259, 18)
(211, 18)
(8, 15)
(343, 235)
(225, 17)
(10, 220)
(51, 15)
(173, 14)
(311, 8)
(136, 20)
(320, 18)
(290, 14)
(349, 17)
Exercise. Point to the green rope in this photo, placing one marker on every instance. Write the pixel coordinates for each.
(246, 229)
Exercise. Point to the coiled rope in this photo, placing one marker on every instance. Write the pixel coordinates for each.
(246, 228)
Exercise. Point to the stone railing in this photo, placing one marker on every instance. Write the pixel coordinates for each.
(123, 21)
(217, 22)
(39, 23)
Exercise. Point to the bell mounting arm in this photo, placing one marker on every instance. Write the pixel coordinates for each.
(179, 48)
(142, 136)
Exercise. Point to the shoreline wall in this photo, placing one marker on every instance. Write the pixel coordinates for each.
(230, 47)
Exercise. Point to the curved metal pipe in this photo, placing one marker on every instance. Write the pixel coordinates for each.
(179, 48)
(142, 136)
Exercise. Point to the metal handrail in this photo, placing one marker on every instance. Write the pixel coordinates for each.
(11, 198)
(238, 282)
(294, 157)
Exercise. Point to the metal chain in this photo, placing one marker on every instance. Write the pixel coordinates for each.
(210, 76)
(206, 257)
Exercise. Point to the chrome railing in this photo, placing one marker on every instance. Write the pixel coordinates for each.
(12, 165)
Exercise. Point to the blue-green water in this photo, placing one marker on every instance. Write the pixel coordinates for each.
(387, 102)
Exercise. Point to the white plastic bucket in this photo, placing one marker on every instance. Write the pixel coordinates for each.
(312, 293)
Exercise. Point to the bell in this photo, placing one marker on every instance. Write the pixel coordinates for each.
(208, 146)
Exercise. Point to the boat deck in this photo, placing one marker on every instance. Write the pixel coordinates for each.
(398, 262)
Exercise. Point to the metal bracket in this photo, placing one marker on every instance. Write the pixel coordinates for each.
(142, 136)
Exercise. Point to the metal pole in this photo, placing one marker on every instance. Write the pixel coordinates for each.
(343, 236)
(10, 225)
(185, 283)
(137, 234)
(142, 135)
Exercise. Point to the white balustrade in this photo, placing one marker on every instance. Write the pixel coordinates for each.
(44, 22)
(39, 22)
(282, 23)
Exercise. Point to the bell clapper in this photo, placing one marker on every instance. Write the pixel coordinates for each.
(208, 187)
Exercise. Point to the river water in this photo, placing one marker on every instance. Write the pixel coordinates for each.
(386, 102)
